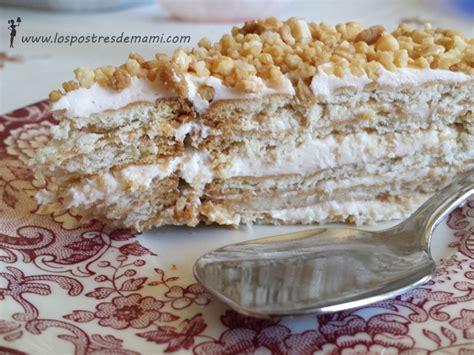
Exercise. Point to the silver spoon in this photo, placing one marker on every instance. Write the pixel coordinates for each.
(328, 269)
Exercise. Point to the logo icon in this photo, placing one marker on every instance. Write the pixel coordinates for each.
(12, 27)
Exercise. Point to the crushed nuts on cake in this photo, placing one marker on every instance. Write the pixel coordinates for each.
(272, 49)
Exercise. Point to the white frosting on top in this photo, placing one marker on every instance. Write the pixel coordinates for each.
(84, 102)
(222, 92)
(324, 85)
(411, 76)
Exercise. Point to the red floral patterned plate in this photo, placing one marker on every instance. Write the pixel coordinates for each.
(86, 289)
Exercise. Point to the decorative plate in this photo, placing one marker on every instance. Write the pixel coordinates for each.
(86, 289)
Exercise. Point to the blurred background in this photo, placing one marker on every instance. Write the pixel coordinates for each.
(29, 71)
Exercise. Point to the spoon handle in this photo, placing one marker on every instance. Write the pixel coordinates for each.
(433, 211)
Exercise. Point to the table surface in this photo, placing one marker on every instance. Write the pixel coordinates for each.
(42, 68)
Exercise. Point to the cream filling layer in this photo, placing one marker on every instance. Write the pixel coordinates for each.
(197, 168)
(111, 186)
(361, 211)
(333, 151)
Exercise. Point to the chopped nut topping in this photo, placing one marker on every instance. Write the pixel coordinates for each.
(272, 49)
(370, 35)
(120, 79)
(223, 66)
(55, 95)
(132, 66)
(136, 57)
(300, 31)
(248, 86)
(70, 85)
(85, 76)
(387, 43)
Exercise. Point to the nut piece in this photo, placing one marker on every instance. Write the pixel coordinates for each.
(205, 43)
(85, 76)
(182, 60)
(120, 80)
(200, 69)
(370, 35)
(223, 65)
(206, 92)
(387, 43)
(421, 62)
(70, 85)
(448, 59)
(132, 66)
(55, 96)
(386, 59)
(100, 77)
(136, 57)
(401, 58)
(352, 29)
(300, 31)
(248, 86)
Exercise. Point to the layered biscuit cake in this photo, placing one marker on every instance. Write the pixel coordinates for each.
(277, 122)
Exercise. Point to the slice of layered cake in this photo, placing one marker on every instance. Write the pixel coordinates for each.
(277, 122)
